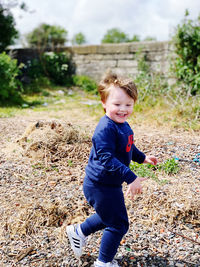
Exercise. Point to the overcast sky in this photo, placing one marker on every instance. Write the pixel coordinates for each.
(156, 18)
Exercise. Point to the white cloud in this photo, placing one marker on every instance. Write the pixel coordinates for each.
(93, 18)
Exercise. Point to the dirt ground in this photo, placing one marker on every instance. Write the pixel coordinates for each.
(41, 175)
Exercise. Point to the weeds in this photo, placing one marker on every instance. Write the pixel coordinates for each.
(162, 103)
(169, 167)
(70, 163)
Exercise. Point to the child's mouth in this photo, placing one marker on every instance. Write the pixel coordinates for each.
(121, 115)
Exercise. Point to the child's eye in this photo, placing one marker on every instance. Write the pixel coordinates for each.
(117, 105)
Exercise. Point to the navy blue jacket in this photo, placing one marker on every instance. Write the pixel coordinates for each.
(112, 151)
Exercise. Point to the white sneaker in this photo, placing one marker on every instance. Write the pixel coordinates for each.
(113, 263)
(77, 242)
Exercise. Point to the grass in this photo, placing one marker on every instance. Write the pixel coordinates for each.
(163, 112)
(157, 111)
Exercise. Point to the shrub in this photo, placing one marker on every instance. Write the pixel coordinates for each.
(10, 86)
(34, 69)
(34, 78)
(86, 83)
(187, 48)
(59, 67)
(51, 67)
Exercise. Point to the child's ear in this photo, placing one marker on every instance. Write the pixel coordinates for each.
(103, 104)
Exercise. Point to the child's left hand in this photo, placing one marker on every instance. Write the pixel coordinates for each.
(151, 159)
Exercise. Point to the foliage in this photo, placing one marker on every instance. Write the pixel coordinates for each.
(47, 36)
(135, 38)
(169, 101)
(79, 39)
(187, 49)
(59, 67)
(86, 83)
(10, 87)
(8, 33)
(7, 4)
(150, 38)
(115, 35)
(33, 77)
(33, 69)
(170, 167)
(142, 170)
(151, 84)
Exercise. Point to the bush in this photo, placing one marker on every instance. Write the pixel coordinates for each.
(58, 67)
(86, 83)
(34, 78)
(187, 48)
(10, 86)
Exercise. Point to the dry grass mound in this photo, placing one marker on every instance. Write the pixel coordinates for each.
(29, 218)
(166, 205)
(53, 140)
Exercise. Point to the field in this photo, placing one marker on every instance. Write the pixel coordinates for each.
(43, 153)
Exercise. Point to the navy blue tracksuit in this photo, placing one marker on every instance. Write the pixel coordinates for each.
(108, 167)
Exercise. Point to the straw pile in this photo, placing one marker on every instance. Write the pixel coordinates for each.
(28, 219)
(178, 201)
(53, 140)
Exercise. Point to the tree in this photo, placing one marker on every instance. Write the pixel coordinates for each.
(9, 4)
(79, 39)
(135, 38)
(8, 33)
(47, 36)
(115, 35)
(150, 38)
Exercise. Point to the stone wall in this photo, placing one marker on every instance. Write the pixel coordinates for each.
(94, 60)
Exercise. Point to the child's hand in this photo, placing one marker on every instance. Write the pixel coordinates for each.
(151, 159)
(135, 187)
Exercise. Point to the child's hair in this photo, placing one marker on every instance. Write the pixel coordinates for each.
(113, 79)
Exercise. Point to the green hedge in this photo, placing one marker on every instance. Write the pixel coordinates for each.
(10, 86)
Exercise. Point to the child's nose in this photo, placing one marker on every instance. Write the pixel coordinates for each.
(122, 107)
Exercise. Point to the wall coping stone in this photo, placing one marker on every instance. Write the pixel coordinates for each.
(122, 48)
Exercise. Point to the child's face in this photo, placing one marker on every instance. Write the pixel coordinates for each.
(118, 105)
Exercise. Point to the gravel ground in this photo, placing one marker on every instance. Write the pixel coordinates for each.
(38, 201)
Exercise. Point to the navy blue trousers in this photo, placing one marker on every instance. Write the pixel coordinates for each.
(111, 215)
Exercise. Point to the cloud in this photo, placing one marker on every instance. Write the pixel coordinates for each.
(93, 18)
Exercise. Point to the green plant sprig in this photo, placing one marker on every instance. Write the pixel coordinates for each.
(169, 167)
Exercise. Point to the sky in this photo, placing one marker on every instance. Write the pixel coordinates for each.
(155, 18)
